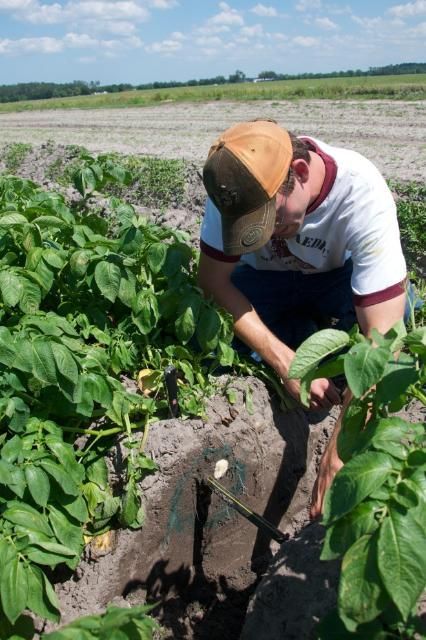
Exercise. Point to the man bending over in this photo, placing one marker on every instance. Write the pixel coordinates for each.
(296, 230)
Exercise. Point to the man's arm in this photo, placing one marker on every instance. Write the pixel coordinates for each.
(382, 316)
(214, 278)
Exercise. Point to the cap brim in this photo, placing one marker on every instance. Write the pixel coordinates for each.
(250, 231)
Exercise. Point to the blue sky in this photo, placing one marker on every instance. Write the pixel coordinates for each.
(140, 41)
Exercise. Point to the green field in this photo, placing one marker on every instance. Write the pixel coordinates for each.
(398, 87)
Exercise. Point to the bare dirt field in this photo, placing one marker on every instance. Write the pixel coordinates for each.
(212, 573)
(391, 133)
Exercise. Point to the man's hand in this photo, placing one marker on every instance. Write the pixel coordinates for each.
(324, 393)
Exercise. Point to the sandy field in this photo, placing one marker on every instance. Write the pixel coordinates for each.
(391, 133)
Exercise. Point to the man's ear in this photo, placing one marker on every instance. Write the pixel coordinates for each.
(301, 169)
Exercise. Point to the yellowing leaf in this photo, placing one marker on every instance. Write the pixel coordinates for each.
(148, 381)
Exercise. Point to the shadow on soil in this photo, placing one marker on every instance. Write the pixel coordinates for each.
(193, 605)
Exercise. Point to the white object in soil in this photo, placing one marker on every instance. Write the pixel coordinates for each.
(221, 467)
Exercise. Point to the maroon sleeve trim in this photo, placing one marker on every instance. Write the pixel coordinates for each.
(380, 296)
(211, 252)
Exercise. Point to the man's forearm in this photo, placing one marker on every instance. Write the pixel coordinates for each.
(249, 328)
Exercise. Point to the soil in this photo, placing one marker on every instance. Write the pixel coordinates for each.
(390, 133)
(210, 571)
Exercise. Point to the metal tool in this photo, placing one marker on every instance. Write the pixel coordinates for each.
(259, 521)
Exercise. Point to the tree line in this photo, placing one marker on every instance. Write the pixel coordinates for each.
(43, 90)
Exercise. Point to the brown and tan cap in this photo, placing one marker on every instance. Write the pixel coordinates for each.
(244, 170)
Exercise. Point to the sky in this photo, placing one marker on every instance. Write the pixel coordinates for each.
(140, 41)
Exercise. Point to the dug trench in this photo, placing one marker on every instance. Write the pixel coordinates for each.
(198, 560)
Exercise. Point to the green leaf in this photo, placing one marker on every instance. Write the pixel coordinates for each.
(361, 476)
(8, 552)
(364, 367)
(53, 258)
(23, 514)
(332, 628)
(315, 348)
(127, 290)
(80, 261)
(186, 322)
(11, 288)
(14, 589)
(85, 180)
(107, 277)
(156, 256)
(97, 472)
(44, 367)
(30, 296)
(12, 219)
(65, 362)
(67, 533)
(38, 484)
(226, 354)
(397, 377)
(402, 558)
(208, 328)
(392, 435)
(406, 494)
(351, 438)
(45, 557)
(65, 455)
(344, 533)
(146, 314)
(42, 599)
(7, 349)
(361, 595)
(76, 507)
(130, 506)
(62, 477)
(12, 449)
(50, 222)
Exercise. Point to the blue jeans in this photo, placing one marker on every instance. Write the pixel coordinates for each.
(294, 305)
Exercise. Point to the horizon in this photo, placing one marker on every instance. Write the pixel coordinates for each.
(143, 41)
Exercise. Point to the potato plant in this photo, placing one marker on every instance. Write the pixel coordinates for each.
(82, 306)
(375, 509)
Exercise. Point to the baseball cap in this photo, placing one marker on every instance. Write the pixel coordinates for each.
(244, 170)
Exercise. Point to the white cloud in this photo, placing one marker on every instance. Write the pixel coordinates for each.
(80, 41)
(177, 35)
(31, 45)
(305, 41)
(79, 11)
(86, 59)
(266, 12)
(163, 4)
(410, 9)
(255, 31)
(338, 10)
(308, 5)
(44, 13)
(227, 16)
(419, 30)
(212, 41)
(212, 28)
(116, 27)
(326, 23)
(165, 46)
(367, 23)
(14, 5)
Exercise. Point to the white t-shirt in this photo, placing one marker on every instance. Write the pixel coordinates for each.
(353, 216)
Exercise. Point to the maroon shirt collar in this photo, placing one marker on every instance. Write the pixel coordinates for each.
(330, 173)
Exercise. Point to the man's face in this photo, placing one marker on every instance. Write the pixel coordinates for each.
(291, 212)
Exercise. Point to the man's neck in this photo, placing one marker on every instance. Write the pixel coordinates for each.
(316, 175)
